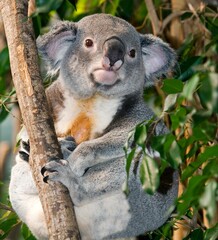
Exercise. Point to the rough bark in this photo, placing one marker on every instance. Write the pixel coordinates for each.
(55, 199)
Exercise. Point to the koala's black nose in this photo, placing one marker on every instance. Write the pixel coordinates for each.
(114, 50)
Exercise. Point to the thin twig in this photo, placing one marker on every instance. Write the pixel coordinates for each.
(155, 22)
(170, 17)
(5, 207)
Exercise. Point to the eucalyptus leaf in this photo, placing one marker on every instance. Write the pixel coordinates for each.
(169, 102)
(208, 92)
(149, 174)
(191, 195)
(197, 234)
(44, 6)
(208, 199)
(190, 87)
(172, 86)
(187, 67)
(140, 135)
(27, 235)
(212, 233)
(209, 153)
(175, 154)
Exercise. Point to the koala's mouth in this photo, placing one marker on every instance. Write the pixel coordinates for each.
(105, 77)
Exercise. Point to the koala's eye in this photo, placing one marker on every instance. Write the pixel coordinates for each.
(89, 43)
(132, 53)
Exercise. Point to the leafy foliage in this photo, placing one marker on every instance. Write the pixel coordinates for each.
(188, 103)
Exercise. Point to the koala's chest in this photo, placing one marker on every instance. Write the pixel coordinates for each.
(85, 119)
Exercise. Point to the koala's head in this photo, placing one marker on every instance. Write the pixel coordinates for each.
(105, 55)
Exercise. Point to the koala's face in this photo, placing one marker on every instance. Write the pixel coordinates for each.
(102, 54)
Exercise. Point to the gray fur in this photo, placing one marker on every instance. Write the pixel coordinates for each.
(94, 172)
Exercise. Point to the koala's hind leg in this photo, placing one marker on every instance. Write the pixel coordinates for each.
(24, 196)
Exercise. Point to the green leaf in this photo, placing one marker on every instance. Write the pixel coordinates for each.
(73, 2)
(169, 102)
(3, 113)
(129, 159)
(208, 199)
(7, 222)
(212, 233)
(4, 61)
(47, 6)
(140, 135)
(187, 67)
(174, 152)
(178, 117)
(149, 174)
(208, 92)
(197, 234)
(27, 235)
(111, 6)
(209, 154)
(190, 87)
(211, 168)
(190, 197)
(85, 7)
(186, 15)
(172, 86)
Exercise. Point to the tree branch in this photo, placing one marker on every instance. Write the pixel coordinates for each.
(55, 199)
(156, 25)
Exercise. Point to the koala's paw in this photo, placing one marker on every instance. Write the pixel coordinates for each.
(24, 150)
(82, 159)
(68, 145)
(57, 171)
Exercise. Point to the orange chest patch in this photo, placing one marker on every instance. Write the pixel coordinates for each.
(81, 128)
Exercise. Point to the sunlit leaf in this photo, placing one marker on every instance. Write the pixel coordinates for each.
(174, 152)
(190, 87)
(178, 117)
(129, 159)
(208, 199)
(149, 174)
(169, 102)
(140, 135)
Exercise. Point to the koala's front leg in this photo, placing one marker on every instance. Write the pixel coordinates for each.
(96, 151)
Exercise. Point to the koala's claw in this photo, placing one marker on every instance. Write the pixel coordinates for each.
(45, 179)
(56, 171)
(24, 156)
(25, 145)
(25, 150)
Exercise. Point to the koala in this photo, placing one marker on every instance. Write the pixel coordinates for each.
(102, 65)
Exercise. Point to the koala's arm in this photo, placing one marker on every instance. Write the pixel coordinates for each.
(110, 145)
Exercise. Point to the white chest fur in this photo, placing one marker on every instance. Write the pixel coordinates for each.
(98, 111)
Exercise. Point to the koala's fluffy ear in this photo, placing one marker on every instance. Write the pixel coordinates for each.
(53, 45)
(158, 57)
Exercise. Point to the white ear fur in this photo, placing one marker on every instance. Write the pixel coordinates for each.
(53, 45)
(158, 57)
